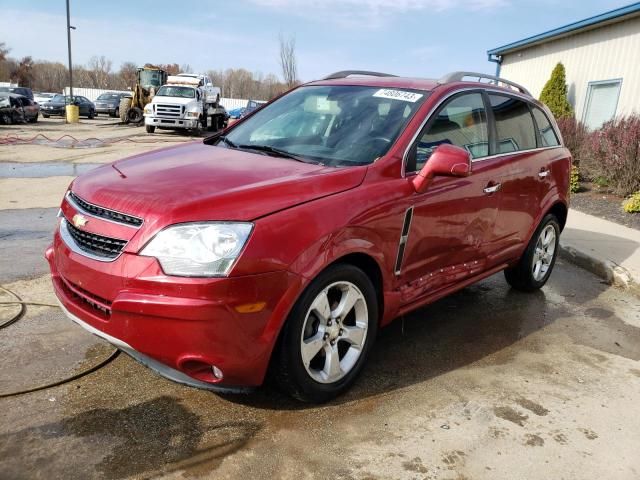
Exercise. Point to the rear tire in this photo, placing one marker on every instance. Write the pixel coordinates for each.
(123, 109)
(328, 335)
(150, 128)
(536, 264)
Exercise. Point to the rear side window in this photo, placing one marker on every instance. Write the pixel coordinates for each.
(514, 124)
(461, 122)
(547, 134)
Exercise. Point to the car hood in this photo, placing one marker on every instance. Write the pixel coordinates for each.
(197, 182)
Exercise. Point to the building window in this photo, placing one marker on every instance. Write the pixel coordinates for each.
(601, 102)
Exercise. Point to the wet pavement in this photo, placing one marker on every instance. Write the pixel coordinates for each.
(484, 384)
(43, 169)
(488, 383)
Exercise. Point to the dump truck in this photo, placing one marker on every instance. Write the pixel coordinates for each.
(187, 102)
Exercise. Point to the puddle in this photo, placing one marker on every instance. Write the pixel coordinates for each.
(43, 169)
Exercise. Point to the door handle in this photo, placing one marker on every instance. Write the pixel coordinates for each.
(489, 189)
(543, 173)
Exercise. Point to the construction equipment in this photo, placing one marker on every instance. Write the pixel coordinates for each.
(148, 80)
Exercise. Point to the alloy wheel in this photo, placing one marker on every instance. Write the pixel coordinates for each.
(334, 332)
(543, 254)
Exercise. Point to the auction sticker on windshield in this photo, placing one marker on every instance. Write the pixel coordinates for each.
(398, 95)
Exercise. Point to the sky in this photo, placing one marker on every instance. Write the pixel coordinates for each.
(419, 38)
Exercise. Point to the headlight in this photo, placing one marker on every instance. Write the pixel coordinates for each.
(193, 114)
(198, 249)
(148, 108)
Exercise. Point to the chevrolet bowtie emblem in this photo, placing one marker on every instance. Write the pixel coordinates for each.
(79, 220)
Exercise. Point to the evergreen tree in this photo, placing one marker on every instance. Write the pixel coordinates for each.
(554, 94)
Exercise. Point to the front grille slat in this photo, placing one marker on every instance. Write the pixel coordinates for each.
(105, 212)
(95, 244)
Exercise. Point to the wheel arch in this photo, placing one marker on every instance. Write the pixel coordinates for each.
(560, 210)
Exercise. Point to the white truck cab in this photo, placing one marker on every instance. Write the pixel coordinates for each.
(187, 101)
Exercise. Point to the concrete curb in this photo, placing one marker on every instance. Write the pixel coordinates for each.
(611, 272)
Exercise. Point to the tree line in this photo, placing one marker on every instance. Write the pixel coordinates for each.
(99, 72)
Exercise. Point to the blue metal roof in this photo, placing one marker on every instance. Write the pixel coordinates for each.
(561, 31)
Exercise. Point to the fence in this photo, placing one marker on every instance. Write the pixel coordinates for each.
(93, 93)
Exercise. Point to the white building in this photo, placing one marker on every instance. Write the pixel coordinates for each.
(601, 56)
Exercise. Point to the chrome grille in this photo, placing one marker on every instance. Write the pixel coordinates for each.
(104, 212)
(96, 245)
(168, 110)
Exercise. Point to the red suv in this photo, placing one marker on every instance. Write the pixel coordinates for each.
(290, 238)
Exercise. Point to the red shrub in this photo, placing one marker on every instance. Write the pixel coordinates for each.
(613, 153)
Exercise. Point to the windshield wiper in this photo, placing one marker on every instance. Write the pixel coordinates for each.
(277, 152)
(229, 143)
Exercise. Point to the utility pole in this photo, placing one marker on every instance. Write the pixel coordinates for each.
(69, 28)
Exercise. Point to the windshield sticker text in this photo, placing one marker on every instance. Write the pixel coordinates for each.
(398, 95)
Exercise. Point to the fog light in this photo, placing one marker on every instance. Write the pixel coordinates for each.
(216, 372)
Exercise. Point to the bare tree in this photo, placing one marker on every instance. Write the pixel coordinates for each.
(288, 61)
(4, 51)
(99, 71)
(127, 75)
(23, 72)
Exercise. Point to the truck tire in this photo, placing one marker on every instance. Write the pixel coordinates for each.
(150, 128)
(125, 104)
(204, 119)
(135, 115)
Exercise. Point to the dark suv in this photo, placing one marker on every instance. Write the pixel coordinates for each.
(110, 103)
(287, 240)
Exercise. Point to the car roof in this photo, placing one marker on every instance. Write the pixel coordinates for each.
(458, 79)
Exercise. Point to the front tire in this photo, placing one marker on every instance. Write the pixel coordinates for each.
(150, 128)
(328, 335)
(536, 264)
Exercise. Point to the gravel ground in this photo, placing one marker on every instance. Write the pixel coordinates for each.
(604, 205)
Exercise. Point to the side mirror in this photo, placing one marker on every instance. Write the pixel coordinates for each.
(446, 161)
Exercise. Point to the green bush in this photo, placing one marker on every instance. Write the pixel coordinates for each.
(632, 204)
(554, 94)
(574, 180)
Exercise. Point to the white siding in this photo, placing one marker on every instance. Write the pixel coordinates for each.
(604, 53)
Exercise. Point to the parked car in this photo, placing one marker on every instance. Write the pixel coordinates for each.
(24, 91)
(251, 106)
(286, 242)
(110, 103)
(43, 97)
(56, 106)
(17, 109)
(236, 112)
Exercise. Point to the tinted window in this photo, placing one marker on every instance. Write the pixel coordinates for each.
(514, 124)
(461, 122)
(548, 136)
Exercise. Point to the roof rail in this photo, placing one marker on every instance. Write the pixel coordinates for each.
(459, 76)
(348, 73)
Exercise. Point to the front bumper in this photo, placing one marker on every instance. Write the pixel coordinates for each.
(179, 327)
(106, 109)
(53, 111)
(161, 122)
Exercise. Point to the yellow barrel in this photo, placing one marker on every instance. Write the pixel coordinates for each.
(73, 113)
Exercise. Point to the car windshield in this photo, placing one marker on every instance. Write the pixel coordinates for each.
(58, 98)
(333, 125)
(109, 96)
(171, 91)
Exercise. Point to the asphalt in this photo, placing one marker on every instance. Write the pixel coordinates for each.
(488, 383)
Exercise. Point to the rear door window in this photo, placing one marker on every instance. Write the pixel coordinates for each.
(462, 121)
(547, 134)
(514, 124)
